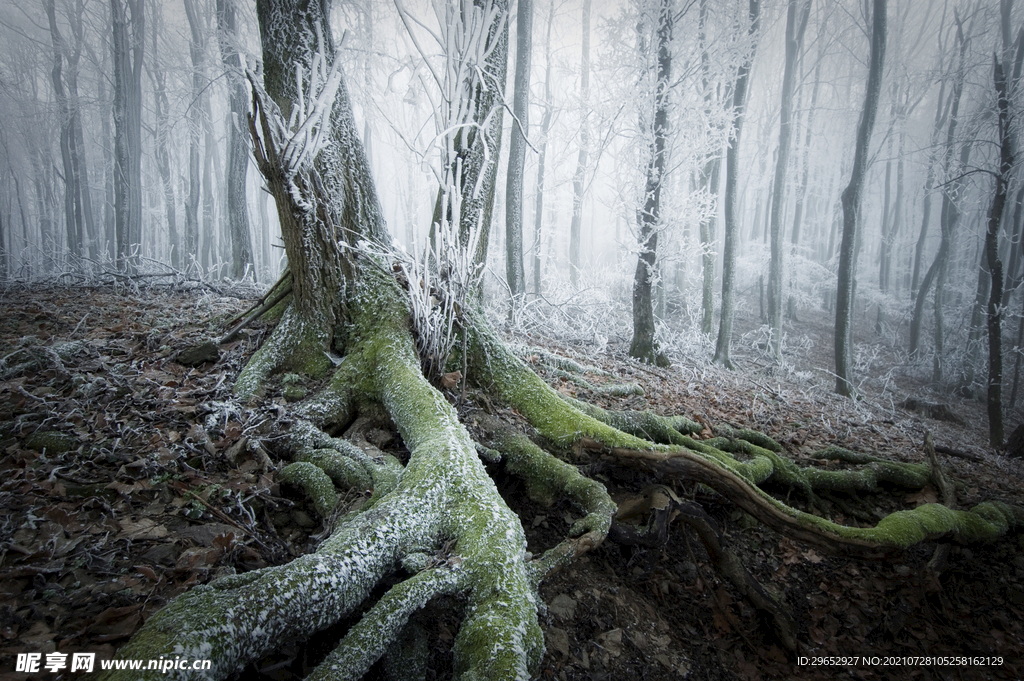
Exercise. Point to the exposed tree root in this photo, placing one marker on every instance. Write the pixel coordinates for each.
(442, 497)
(665, 507)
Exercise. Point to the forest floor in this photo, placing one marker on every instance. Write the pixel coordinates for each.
(126, 478)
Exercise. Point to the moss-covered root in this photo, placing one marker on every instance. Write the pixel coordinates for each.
(900, 530)
(296, 344)
(369, 639)
(666, 430)
(500, 638)
(548, 479)
(234, 621)
(314, 482)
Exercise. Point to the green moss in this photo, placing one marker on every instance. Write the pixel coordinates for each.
(52, 441)
(314, 482)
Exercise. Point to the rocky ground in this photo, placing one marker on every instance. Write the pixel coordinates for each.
(126, 477)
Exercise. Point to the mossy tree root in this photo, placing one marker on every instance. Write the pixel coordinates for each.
(295, 344)
(547, 480)
(496, 369)
(443, 497)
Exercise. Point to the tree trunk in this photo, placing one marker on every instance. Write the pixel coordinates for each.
(579, 177)
(796, 23)
(517, 155)
(801, 192)
(195, 112)
(994, 400)
(545, 128)
(644, 346)
(238, 146)
(949, 212)
(739, 101)
(709, 183)
(128, 37)
(851, 201)
(161, 152)
(72, 195)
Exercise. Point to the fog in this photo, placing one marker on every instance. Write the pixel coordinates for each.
(931, 167)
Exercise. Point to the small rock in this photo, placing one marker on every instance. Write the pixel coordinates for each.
(199, 354)
(563, 607)
(558, 639)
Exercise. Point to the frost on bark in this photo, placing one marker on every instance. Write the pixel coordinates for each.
(644, 346)
(436, 525)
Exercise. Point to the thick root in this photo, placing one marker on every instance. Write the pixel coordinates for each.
(295, 344)
(497, 369)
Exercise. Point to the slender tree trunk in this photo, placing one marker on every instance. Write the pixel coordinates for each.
(710, 176)
(739, 102)
(796, 23)
(579, 177)
(517, 154)
(994, 400)
(644, 346)
(161, 152)
(801, 192)
(238, 144)
(128, 54)
(194, 118)
(545, 128)
(72, 195)
(949, 212)
(851, 201)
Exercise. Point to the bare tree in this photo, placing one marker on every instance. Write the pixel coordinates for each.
(796, 24)
(517, 154)
(739, 101)
(579, 177)
(644, 345)
(128, 40)
(851, 198)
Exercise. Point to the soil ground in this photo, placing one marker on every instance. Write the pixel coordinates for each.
(127, 477)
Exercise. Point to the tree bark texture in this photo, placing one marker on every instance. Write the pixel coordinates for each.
(994, 399)
(238, 145)
(128, 38)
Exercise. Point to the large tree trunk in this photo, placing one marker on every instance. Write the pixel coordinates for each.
(851, 201)
(994, 400)
(731, 236)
